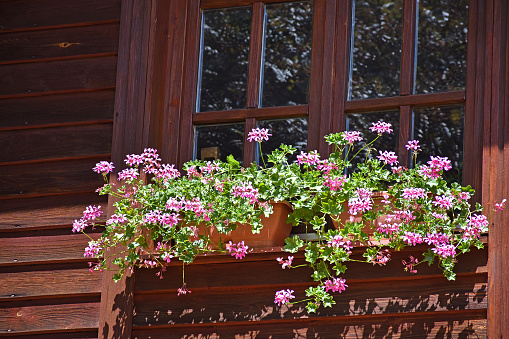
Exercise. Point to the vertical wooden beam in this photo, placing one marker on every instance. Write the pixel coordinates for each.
(255, 55)
(408, 47)
(130, 135)
(496, 151)
(249, 147)
(405, 133)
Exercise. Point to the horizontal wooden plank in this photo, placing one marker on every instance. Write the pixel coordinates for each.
(59, 43)
(360, 298)
(57, 109)
(247, 272)
(24, 320)
(382, 104)
(76, 74)
(57, 248)
(40, 13)
(37, 284)
(454, 325)
(233, 3)
(256, 113)
(56, 177)
(46, 212)
(55, 142)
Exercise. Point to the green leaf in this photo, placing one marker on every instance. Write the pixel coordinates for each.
(292, 245)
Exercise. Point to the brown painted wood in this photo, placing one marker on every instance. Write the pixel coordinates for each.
(405, 133)
(45, 249)
(255, 55)
(40, 319)
(249, 147)
(55, 177)
(40, 13)
(207, 4)
(51, 283)
(465, 324)
(46, 212)
(55, 142)
(61, 109)
(58, 43)
(408, 48)
(256, 113)
(360, 298)
(380, 104)
(77, 74)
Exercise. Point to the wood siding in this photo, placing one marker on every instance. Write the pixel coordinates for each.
(58, 61)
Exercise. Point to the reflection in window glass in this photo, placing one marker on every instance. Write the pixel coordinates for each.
(219, 141)
(224, 59)
(287, 53)
(292, 132)
(362, 122)
(442, 45)
(376, 50)
(440, 133)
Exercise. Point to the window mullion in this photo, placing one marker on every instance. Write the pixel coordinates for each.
(408, 47)
(255, 55)
(405, 134)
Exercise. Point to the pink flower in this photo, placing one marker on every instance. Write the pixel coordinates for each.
(338, 241)
(103, 167)
(326, 167)
(357, 205)
(335, 183)
(283, 297)
(477, 224)
(79, 225)
(381, 127)
(413, 193)
(311, 158)
(413, 145)
(128, 174)
(239, 250)
(92, 212)
(389, 158)
(193, 172)
(133, 160)
(412, 238)
(92, 249)
(169, 220)
(409, 266)
(183, 290)
(463, 196)
(500, 207)
(258, 134)
(352, 137)
(444, 202)
(167, 172)
(440, 163)
(444, 250)
(174, 205)
(436, 239)
(382, 257)
(285, 263)
(211, 167)
(116, 219)
(389, 228)
(335, 285)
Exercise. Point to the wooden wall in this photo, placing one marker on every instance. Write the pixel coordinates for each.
(235, 299)
(57, 87)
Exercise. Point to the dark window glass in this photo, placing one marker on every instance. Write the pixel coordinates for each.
(287, 54)
(219, 141)
(442, 45)
(440, 132)
(224, 59)
(376, 50)
(292, 132)
(362, 122)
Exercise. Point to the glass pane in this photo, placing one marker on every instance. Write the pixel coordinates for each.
(224, 59)
(440, 132)
(362, 122)
(287, 60)
(284, 131)
(376, 50)
(219, 141)
(442, 45)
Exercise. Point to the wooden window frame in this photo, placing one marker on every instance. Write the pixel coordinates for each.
(153, 94)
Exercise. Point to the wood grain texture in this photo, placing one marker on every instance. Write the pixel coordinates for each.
(39, 284)
(58, 109)
(55, 177)
(235, 115)
(55, 142)
(64, 75)
(58, 43)
(417, 326)
(255, 55)
(29, 14)
(26, 320)
(46, 212)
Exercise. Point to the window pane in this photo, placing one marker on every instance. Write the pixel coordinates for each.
(442, 46)
(284, 131)
(440, 132)
(376, 52)
(219, 141)
(362, 122)
(287, 60)
(224, 59)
